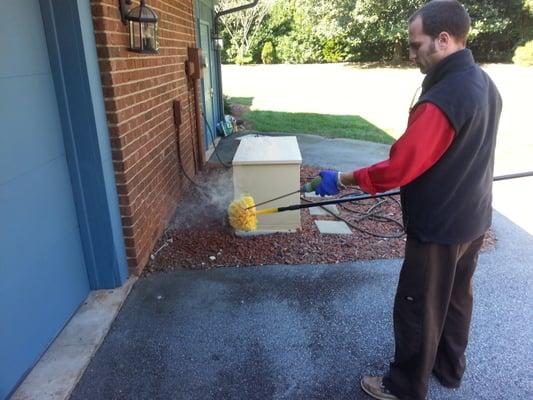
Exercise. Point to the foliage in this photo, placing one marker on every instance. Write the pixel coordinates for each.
(496, 28)
(381, 27)
(316, 31)
(300, 46)
(227, 105)
(524, 54)
(268, 54)
(242, 27)
(528, 6)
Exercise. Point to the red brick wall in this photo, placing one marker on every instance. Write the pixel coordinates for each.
(139, 90)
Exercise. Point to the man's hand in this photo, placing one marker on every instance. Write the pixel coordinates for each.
(329, 185)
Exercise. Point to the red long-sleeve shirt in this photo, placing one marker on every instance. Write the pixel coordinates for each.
(426, 139)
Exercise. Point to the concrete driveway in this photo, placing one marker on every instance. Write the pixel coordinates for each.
(310, 331)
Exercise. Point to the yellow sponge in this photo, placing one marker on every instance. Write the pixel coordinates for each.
(242, 214)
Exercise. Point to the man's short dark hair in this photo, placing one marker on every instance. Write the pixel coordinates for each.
(444, 16)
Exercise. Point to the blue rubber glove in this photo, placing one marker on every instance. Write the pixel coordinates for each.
(329, 184)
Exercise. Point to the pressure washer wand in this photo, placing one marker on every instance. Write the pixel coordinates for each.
(326, 202)
(308, 187)
(364, 196)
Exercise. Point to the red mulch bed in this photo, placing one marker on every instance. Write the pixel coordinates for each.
(200, 236)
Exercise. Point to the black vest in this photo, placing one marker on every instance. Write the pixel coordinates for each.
(451, 202)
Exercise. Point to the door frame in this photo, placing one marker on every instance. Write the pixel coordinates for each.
(74, 63)
(204, 14)
(210, 120)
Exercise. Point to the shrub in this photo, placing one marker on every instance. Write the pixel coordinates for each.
(227, 105)
(332, 50)
(523, 55)
(268, 54)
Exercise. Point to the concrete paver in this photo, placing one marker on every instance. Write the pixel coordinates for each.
(333, 227)
(332, 208)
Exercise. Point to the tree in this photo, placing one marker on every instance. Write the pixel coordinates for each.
(242, 27)
(496, 28)
(528, 6)
(380, 28)
(313, 31)
(331, 22)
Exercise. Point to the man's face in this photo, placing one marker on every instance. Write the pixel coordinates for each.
(422, 48)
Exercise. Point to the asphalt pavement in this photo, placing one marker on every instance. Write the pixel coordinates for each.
(306, 331)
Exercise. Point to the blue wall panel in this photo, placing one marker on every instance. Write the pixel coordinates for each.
(120, 265)
(42, 266)
(29, 117)
(70, 40)
(60, 231)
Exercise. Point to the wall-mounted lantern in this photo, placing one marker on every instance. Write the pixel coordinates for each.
(218, 42)
(142, 26)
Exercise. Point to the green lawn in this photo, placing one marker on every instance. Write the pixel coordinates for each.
(243, 101)
(333, 126)
(377, 95)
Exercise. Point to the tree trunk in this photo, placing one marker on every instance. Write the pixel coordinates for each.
(397, 55)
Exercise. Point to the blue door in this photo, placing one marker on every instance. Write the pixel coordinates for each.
(43, 278)
(207, 84)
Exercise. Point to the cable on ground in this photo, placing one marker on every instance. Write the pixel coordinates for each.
(371, 213)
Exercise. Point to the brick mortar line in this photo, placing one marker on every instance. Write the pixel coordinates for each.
(129, 58)
(142, 91)
(148, 155)
(143, 158)
(159, 10)
(186, 121)
(148, 57)
(172, 29)
(138, 80)
(111, 72)
(123, 148)
(174, 66)
(145, 196)
(177, 9)
(145, 111)
(101, 45)
(140, 69)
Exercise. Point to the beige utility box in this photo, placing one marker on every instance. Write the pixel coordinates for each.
(267, 167)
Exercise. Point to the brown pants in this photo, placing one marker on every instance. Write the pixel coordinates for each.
(432, 312)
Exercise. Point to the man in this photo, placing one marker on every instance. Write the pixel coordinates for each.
(443, 164)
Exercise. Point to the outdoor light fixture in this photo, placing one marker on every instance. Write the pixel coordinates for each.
(142, 27)
(218, 42)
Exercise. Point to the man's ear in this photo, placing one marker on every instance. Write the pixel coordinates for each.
(443, 40)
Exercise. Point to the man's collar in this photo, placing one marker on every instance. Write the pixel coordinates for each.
(456, 61)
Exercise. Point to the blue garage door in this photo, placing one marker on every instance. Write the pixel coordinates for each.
(42, 272)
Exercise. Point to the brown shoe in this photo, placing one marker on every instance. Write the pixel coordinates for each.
(373, 386)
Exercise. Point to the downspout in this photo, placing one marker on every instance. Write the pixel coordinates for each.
(218, 51)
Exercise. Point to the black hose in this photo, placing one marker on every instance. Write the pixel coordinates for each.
(227, 166)
(367, 215)
(196, 185)
(380, 200)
